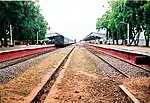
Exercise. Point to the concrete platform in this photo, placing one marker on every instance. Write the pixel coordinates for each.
(138, 55)
(131, 49)
(19, 51)
(21, 47)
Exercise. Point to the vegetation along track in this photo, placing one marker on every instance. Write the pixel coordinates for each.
(41, 95)
(10, 62)
(125, 68)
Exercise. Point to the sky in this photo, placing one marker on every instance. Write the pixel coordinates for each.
(73, 18)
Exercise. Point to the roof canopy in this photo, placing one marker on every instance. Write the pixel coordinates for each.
(52, 35)
(93, 36)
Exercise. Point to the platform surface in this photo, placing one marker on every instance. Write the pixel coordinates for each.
(21, 47)
(132, 49)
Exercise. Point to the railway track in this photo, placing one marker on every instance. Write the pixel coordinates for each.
(6, 63)
(125, 68)
(43, 92)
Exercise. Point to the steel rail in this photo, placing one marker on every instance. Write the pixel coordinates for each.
(45, 89)
(12, 62)
(121, 72)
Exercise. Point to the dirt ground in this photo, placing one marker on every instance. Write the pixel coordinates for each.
(16, 89)
(140, 88)
(83, 82)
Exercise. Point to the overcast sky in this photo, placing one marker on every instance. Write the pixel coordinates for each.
(73, 18)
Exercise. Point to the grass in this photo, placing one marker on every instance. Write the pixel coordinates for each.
(24, 92)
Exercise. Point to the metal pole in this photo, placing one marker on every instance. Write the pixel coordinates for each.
(11, 35)
(37, 38)
(128, 33)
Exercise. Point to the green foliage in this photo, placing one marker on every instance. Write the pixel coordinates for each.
(26, 19)
(146, 19)
(135, 12)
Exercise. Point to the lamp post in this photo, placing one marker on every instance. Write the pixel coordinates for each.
(37, 37)
(127, 31)
(11, 29)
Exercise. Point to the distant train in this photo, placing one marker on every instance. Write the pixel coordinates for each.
(58, 40)
(61, 41)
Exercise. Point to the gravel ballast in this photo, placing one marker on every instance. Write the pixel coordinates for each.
(84, 82)
(27, 75)
(13, 71)
(138, 85)
(130, 70)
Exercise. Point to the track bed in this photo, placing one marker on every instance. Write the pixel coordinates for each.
(83, 81)
(81, 78)
(20, 85)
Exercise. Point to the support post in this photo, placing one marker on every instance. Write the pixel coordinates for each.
(128, 33)
(11, 35)
(37, 38)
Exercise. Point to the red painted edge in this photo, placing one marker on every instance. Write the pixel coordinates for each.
(125, 55)
(14, 54)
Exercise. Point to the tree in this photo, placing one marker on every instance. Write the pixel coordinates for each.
(135, 12)
(26, 19)
(146, 22)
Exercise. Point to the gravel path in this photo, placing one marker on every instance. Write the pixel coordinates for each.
(83, 82)
(128, 69)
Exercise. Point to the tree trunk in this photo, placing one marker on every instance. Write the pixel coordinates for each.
(113, 41)
(1, 35)
(113, 37)
(146, 40)
(136, 40)
(107, 35)
(1, 31)
(132, 37)
(122, 36)
(5, 42)
(117, 38)
(117, 42)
